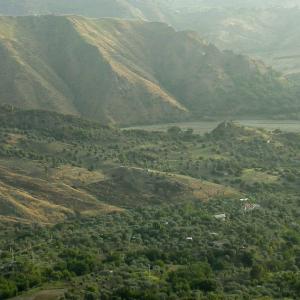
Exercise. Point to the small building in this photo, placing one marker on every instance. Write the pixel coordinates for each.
(221, 217)
(189, 238)
(250, 206)
(244, 199)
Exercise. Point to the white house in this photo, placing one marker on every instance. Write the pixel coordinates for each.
(221, 217)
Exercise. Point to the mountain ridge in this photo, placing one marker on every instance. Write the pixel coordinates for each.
(228, 24)
(130, 72)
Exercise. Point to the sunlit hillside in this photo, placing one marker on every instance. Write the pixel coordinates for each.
(124, 72)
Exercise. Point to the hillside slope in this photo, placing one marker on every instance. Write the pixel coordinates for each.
(57, 63)
(161, 203)
(53, 167)
(127, 72)
(271, 33)
(29, 199)
(265, 30)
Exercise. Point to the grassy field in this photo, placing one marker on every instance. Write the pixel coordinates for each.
(207, 126)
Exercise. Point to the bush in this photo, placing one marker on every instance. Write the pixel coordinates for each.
(7, 289)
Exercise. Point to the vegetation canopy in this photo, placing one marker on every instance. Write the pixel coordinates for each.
(92, 212)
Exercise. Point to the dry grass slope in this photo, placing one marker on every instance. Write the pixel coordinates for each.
(29, 199)
(67, 191)
(130, 187)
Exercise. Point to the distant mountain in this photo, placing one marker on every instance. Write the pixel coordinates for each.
(179, 4)
(266, 30)
(161, 10)
(126, 72)
(271, 34)
(146, 9)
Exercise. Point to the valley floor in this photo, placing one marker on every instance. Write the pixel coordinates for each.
(207, 126)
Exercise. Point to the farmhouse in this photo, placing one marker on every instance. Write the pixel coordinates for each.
(221, 217)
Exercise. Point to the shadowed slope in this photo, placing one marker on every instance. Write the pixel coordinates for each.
(126, 72)
(30, 199)
(61, 65)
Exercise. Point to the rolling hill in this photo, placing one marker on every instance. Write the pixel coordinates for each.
(40, 182)
(136, 187)
(130, 72)
(32, 197)
(32, 200)
(55, 167)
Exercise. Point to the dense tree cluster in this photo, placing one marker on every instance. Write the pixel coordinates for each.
(146, 253)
